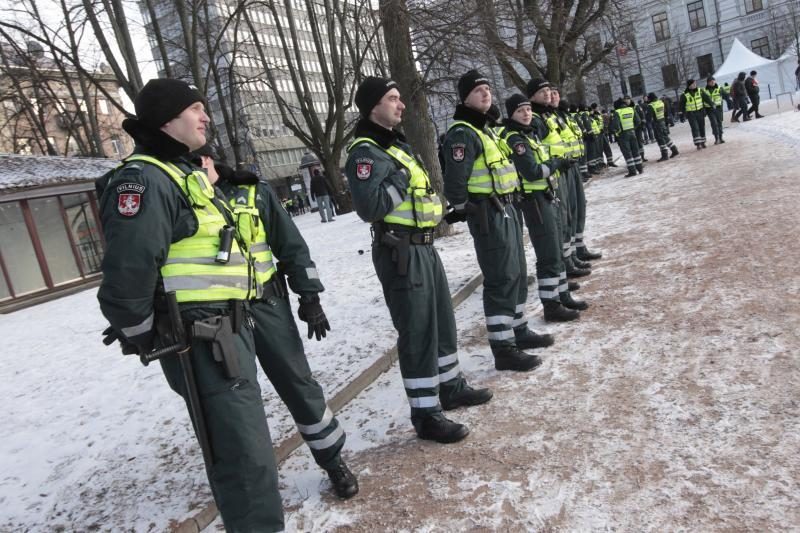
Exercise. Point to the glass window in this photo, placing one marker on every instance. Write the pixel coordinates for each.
(604, 93)
(669, 73)
(705, 65)
(102, 105)
(636, 83)
(5, 294)
(697, 15)
(760, 46)
(661, 26)
(53, 236)
(753, 5)
(18, 253)
(84, 229)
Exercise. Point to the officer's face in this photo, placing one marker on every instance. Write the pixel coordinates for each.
(712, 83)
(189, 127)
(480, 99)
(542, 96)
(555, 98)
(389, 111)
(211, 170)
(523, 115)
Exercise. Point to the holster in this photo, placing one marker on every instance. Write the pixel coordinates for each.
(218, 330)
(276, 287)
(399, 243)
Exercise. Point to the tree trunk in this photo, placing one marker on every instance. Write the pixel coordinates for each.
(417, 124)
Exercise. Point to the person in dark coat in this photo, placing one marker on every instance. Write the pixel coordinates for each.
(739, 94)
(751, 86)
(321, 194)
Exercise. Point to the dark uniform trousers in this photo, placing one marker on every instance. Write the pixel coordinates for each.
(501, 257)
(422, 313)
(715, 117)
(282, 356)
(662, 136)
(243, 476)
(697, 121)
(630, 149)
(566, 196)
(541, 217)
(580, 212)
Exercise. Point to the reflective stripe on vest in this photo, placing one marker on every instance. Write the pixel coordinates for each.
(422, 207)
(254, 235)
(572, 141)
(715, 95)
(491, 171)
(540, 154)
(693, 103)
(658, 109)
(190, 269)
(553, 140)
(625, 115)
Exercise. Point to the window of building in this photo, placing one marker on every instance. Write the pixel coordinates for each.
(753, 5)
(116, 145)
(661, 26)
(47, 216)
(669, 73)
(604, 93)
(84, 230)
(18, 254)
(636, 83)
(705, 65)
(697, 15)
(760, 46)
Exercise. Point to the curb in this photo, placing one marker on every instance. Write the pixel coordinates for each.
(209, 513)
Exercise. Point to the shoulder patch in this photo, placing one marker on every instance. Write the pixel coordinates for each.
(364, 167)
(457, 151)
(129, 198)
(520, 148)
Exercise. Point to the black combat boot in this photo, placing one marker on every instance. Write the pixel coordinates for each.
(509, 357)
(640, 168)
(631, 172)
(585, 254)
(344, 482)
(528, 340)
(438, 427)
(675, 152)
(573, 285)
(555, 312)
(466, 397)
(664, 156)
(721, 140)
(570, 303)
(580, 263)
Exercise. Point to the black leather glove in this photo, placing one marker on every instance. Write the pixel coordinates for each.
(110, 336)
(310, 311)
(454, 217)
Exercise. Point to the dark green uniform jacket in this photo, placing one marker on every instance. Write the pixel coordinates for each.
(521, 154)
(461, 148)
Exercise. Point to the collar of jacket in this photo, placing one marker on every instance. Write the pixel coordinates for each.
(540, 109)
(385, 138)
(513, 125)
(467, 114)
(154, 142)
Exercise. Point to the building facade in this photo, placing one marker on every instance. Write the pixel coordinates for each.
(667, 42)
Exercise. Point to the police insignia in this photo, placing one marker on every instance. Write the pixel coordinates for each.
(129, 198)
(363, 170)
(458, 152)
(519, 148)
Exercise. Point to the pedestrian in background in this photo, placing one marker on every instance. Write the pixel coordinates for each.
(321, 194)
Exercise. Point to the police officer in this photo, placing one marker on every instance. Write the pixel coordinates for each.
(480, 183)
(713, 108)
(640, 119)
(277, 341)
(162, 222)
(391, 189)
(692, 105)
(656, 114)
(623, 124)
(535, 167)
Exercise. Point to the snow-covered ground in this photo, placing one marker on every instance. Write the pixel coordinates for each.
(671, 405)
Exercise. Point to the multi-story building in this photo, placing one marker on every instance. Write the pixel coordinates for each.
(667, 42)
(256, 77)
(46, 110)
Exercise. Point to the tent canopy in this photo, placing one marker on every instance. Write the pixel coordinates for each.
(772, 75)
(740, 59)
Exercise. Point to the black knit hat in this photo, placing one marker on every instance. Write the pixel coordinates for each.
(206, 150)
(514, 102)
(652, 96)
(469, 81)
(689, 82)
(534, 85)
(370, 92)
(710, 78)
(163, 99)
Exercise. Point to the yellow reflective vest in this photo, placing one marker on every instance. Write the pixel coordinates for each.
(422, 207)
(540, 153)
(191, 270)
(252, 231)
(693, 103)
(492, 171)
(625, 116)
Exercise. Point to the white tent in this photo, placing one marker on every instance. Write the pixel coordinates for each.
(772, 78)
(788, 63)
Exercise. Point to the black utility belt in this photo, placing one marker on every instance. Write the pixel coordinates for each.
(504, 198)
(393, 235)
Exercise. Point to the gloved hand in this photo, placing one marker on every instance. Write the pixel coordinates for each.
(562, 164)
(454, 217)
(310, 311)
(128, 348)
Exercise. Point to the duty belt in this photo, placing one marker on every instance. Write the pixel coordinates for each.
(415, 235)
(504, 198)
